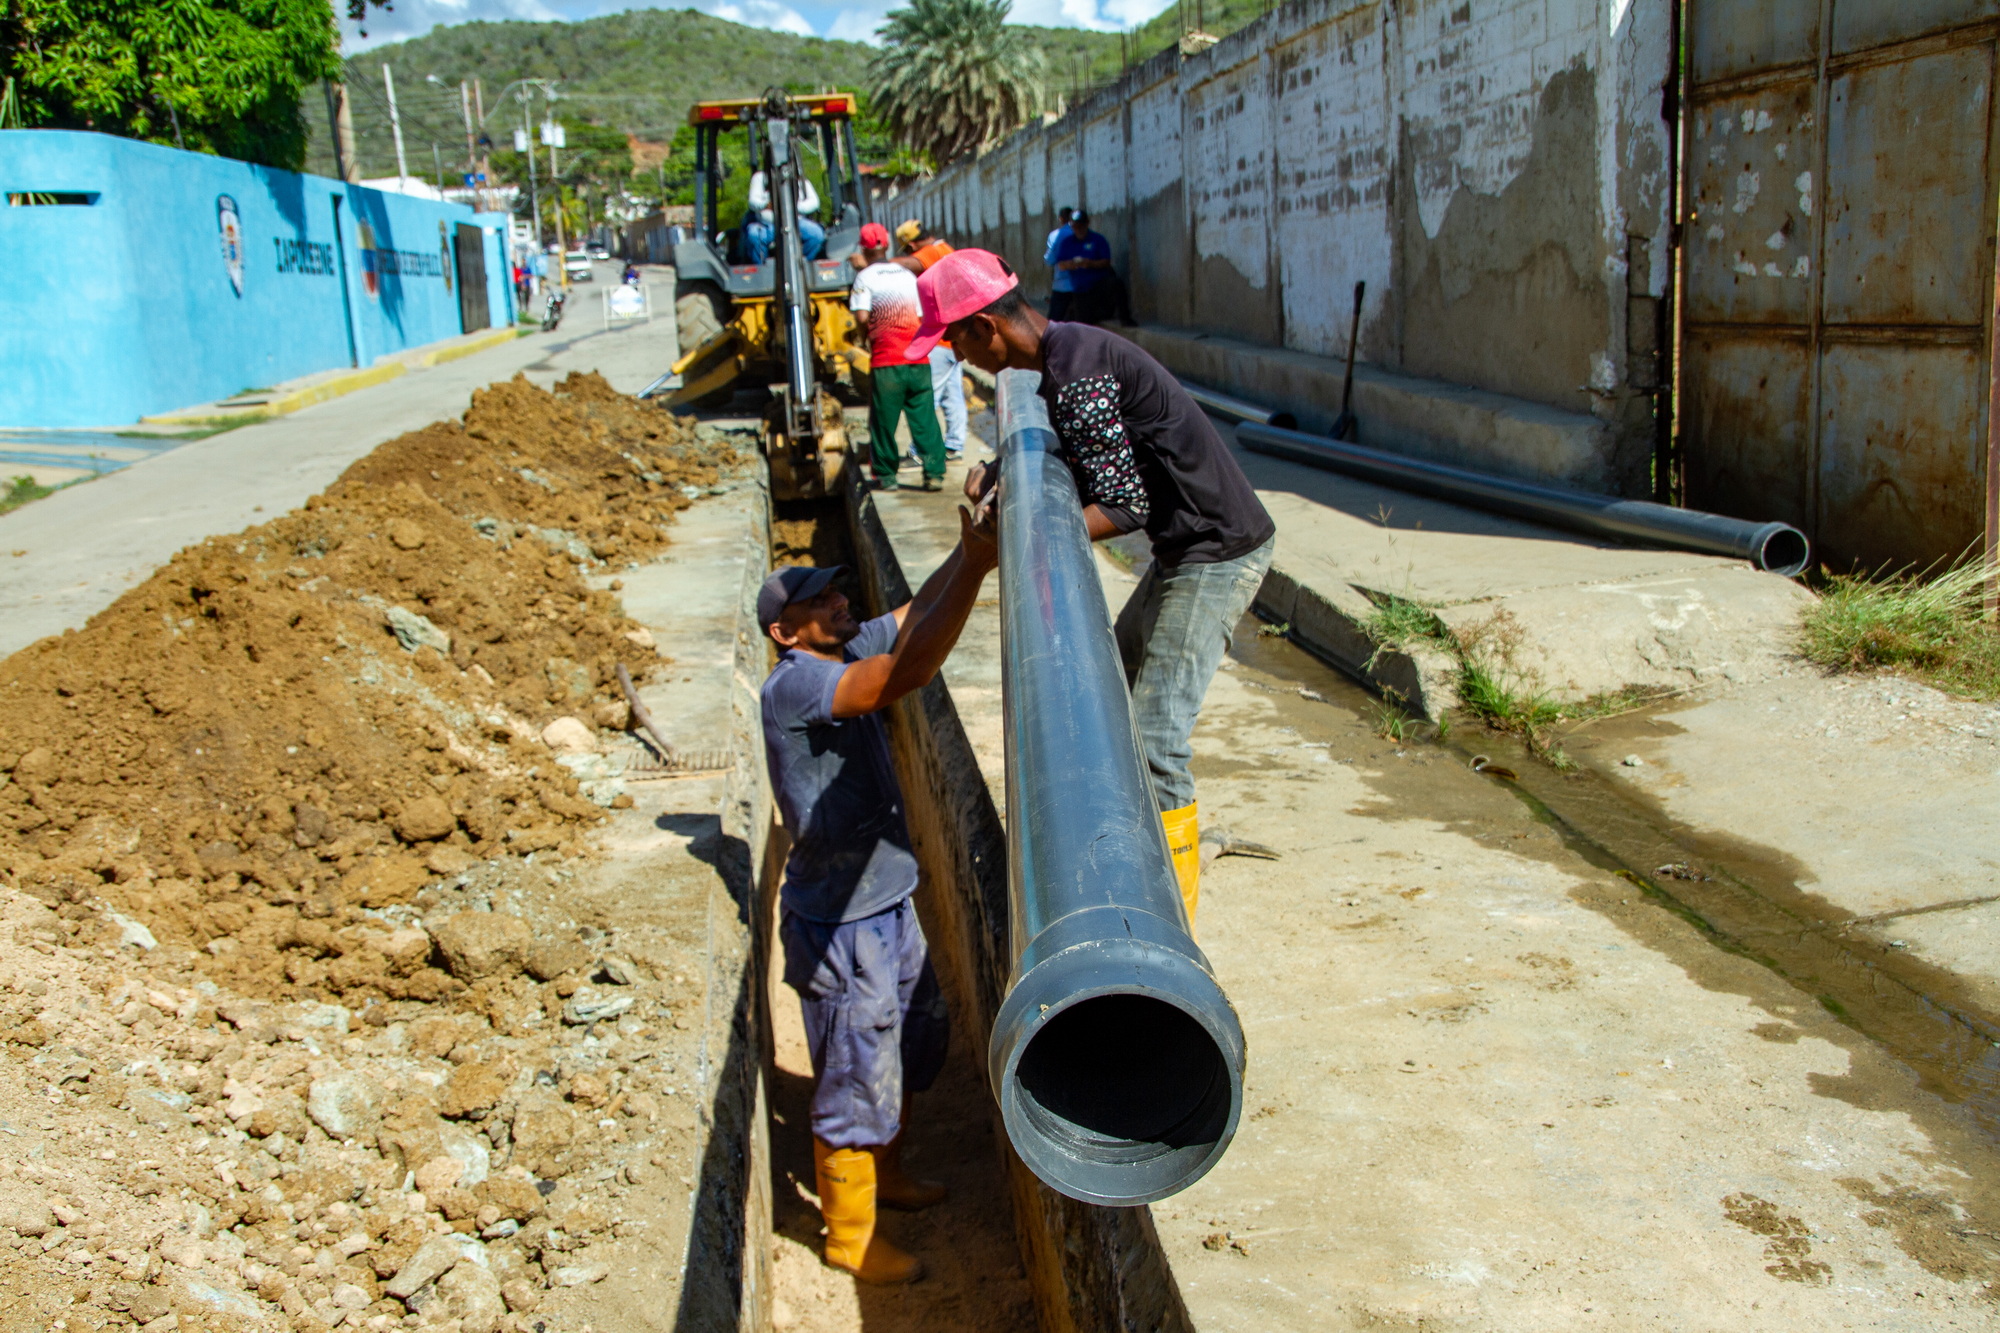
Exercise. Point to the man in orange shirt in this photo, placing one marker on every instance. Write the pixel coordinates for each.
(920, 251)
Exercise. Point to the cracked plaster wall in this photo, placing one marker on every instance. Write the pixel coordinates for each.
(1494, 170)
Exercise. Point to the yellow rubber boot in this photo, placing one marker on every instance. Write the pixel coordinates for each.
(1184, 841)
(847, 1202)
(897, 1188)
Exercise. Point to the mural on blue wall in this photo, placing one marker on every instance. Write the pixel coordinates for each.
(128, 288)
(232, 240)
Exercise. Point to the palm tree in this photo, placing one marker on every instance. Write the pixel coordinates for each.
(951, 79)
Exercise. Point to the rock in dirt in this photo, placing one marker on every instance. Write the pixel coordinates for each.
(568, 735)
(471, 1291)
(28, 1217)
(344, 1105)
(475, 1086)
(483, 944)
(414, 631)
(588, 1006)
(433, 1259)
(426, 819)
(439, 1174)
(578, 1275)
(549, 959)
(448, 860)
(407, 534)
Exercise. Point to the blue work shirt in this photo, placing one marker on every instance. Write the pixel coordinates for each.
(1062, 283)
(1093, 246)
(851, 854)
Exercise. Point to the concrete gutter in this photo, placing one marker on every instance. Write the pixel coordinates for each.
(318, 388)
(1423, 418)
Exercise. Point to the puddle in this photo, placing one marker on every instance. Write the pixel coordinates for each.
(1744, 899)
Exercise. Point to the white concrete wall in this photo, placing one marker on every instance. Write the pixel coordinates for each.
(1485, 166)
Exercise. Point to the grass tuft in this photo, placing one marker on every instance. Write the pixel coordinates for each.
(1934, 629)
(21, 490)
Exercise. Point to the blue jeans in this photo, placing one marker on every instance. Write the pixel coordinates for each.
(948, 388)
(758, 235)
(1172, 634)
(875, 1019)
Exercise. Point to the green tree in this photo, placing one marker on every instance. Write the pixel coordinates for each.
(952, 79)
(214, 76)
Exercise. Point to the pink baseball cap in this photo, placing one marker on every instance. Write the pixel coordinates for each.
(875, 236)
(963, 283)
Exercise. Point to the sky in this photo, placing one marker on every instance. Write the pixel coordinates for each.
(854, 20)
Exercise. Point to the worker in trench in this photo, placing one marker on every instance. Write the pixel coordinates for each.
(1145, 458)
(875, 1018)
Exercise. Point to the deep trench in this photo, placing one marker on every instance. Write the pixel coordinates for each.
(975, 1279)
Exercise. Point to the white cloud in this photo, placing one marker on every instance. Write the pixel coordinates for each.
(761, 14)
(856, 22)
(414, 18)
(858, 25)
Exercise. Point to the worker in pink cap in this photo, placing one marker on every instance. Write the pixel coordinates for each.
(884, 302)
(1144, 458)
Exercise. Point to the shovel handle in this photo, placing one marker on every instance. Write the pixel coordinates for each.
(1353, 336)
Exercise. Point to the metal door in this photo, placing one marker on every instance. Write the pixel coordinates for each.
(469, 249)
(1837, 363)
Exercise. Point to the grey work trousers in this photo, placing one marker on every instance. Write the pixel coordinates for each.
(1172, 634)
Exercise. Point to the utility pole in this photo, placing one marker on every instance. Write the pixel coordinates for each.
(552, 135)
(471, 148)
(527, 144)
(341, 121)
(437, 165)
(485, 159)
(396, 128)
(555, 183)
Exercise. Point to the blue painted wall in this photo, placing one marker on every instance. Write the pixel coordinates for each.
(127, 305)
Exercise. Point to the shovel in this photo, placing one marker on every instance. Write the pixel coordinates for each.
(1344, 425)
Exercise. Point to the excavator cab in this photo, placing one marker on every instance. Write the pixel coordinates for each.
(779, 320)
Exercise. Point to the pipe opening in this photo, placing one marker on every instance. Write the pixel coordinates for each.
(1284, 421)
(1124, 1079)
(1784, 552)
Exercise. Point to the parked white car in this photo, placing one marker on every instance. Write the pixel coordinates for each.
(577, 265)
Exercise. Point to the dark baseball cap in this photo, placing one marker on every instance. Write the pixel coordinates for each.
(792, 584)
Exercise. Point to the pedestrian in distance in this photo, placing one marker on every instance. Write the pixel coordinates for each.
(875, 1019)
(921, 249)
(1145, 458)
(1062, 288)
(884, 299)
(1085, 255)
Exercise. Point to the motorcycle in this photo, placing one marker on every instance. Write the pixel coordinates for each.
(552, 309)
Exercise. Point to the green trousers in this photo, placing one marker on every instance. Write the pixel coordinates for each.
(900, 389)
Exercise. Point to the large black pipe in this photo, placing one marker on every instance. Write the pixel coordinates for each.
(1116, 1057)
(1777, 547)
(1222, 405)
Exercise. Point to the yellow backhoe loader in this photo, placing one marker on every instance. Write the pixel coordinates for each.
(770, 308)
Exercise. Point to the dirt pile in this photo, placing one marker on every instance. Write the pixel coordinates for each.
(305, 1024)
(285, 732)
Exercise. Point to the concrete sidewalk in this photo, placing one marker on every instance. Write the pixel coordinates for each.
(1868, 808)
(67, 557)
(1491, 1085)
(1576, 616)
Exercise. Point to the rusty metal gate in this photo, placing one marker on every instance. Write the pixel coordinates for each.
(1837, 367)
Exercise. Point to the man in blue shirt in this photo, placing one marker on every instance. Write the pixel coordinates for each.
(854, 952)
(1086, 257)
(1060, 291)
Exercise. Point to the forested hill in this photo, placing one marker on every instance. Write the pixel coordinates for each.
(637, 72)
